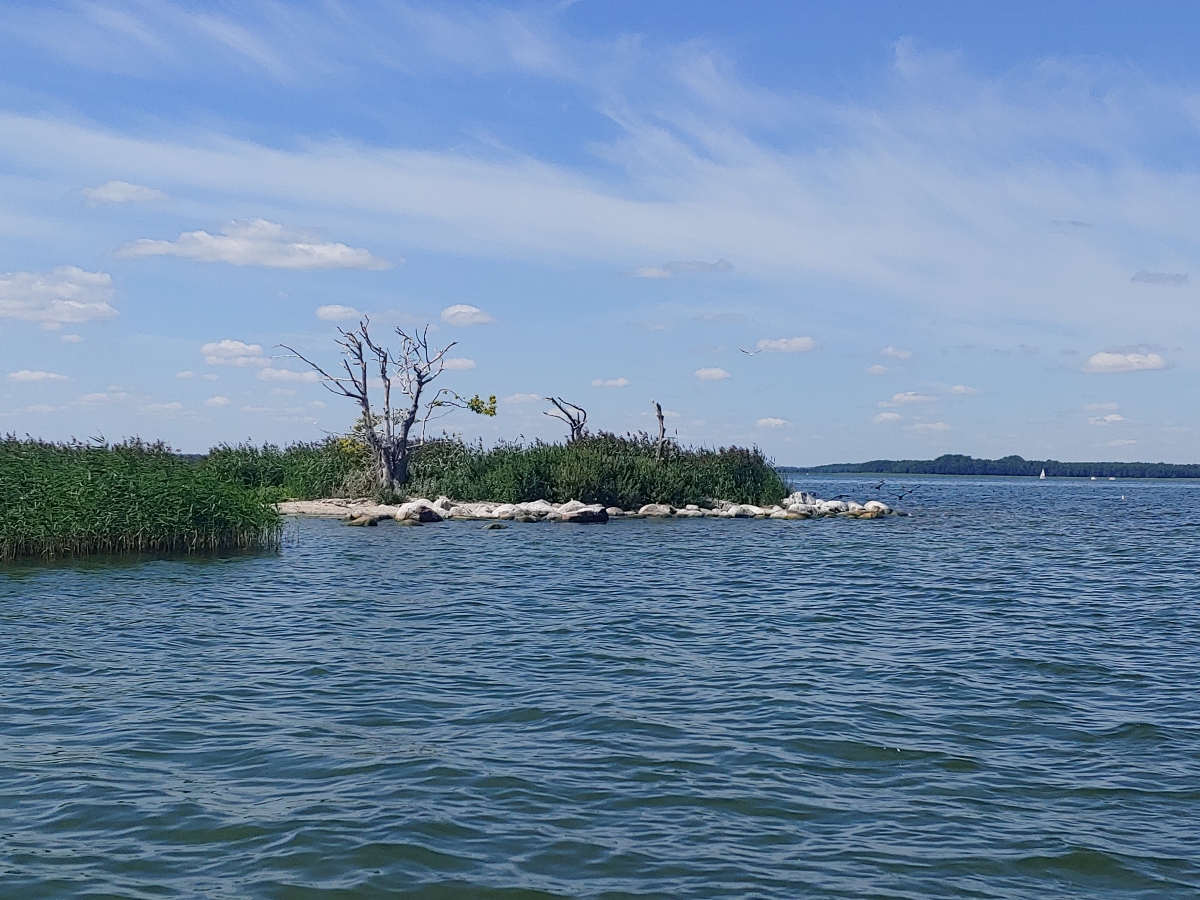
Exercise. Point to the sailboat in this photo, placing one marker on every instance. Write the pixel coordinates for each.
(1043, 475)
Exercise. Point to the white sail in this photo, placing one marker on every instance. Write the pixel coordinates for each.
(1043, 475)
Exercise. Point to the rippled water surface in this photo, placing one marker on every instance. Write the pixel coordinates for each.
(998, 696)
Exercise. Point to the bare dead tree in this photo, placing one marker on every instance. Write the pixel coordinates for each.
(662, 430)
(387, 430)
(574, 416)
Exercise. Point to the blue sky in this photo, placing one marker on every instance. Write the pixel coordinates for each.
(939, 227)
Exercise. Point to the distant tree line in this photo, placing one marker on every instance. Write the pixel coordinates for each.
(957, 464)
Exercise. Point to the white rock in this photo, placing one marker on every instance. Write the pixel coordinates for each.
(877, 506)
(506, 511)
(690, 512)
(854, 507)
(593, 514)
(570, 506)
(655, 509)
(834, 506)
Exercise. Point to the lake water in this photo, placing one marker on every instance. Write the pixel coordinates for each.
(995, 697)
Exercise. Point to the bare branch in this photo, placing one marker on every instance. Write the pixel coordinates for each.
(575, 417)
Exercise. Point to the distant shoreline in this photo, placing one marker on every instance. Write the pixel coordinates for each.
(1009, 466)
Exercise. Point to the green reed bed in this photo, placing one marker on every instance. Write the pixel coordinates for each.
(337, 467)
(77, 499)
(602, 468)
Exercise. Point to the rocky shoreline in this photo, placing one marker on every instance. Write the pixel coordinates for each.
(800, 505)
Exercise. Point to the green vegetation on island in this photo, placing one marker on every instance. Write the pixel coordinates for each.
(596, 468)
(78, 499)
(956, 464)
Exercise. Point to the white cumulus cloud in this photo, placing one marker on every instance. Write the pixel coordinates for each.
(229, 352)
(122, 192)
(887, 417)
(257, 242)
(877, 370)
(335, 312)
(217, 401)
(36, 375)
(272, 374)
(610, 382)
(163, 409)
(963, 390)
(72, 338)
(771, 422)
(458, 363)
(690, 267)
(908, 397)
(1107, 363)
(786, 345)
(1110, 419)
(711, 373)
(896, 354)
(930, 426)
(66, 295)
(522, 398)
(1102, 407)
(465, 314)
(185, 374)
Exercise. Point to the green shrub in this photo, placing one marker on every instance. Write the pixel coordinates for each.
(76, 499)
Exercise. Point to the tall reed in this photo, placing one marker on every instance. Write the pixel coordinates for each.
(76, 499)
(600, 468)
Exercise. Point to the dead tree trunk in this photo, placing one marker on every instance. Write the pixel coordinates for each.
(575, 416)
(662, 431)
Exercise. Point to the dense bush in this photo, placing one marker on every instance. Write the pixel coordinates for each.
(74, 499)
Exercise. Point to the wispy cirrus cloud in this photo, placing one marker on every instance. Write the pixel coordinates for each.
(272, 374)
(1163, 278)
(904, 397)
(257, 242)
(786, 345)
(122, 192)
(680, 268)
